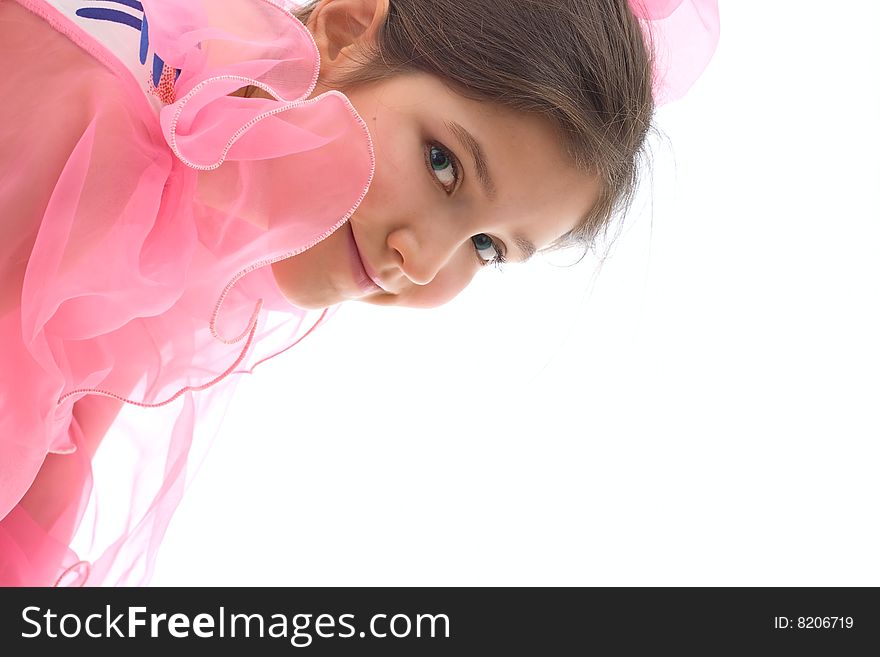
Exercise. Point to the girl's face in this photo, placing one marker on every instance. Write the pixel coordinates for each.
(459, 185)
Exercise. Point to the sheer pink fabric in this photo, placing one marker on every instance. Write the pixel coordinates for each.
(683, 35)
(134, 265)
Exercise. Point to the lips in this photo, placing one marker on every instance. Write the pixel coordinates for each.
(372, 274)
(361, 270)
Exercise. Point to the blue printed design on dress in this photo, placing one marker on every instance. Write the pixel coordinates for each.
(137, 21)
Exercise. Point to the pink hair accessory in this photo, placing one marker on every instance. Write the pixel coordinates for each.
(683, 35)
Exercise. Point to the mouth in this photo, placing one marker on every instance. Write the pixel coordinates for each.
(364, 275)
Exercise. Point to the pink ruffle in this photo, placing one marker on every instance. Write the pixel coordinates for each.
(142, 246)
(684, 35)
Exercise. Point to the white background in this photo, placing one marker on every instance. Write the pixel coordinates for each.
(701, 410)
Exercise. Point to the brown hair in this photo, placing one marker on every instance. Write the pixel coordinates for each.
(584, 64)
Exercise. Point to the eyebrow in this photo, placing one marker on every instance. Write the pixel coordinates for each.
(526, 247)
(473, 147)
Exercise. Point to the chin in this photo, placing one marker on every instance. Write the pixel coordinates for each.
(289, 279)
(394, 300)
(313, 306)
(310, 302)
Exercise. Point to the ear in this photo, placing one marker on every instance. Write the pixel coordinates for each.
(343, 27)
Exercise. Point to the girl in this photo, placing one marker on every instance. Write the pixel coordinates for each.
(188, 187)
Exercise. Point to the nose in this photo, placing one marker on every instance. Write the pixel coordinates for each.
(421, 255)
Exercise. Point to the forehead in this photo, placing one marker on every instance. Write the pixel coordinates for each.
(527, 160)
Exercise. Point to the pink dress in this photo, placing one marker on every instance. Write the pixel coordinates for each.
(141, 208)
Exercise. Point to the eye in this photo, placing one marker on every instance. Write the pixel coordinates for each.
(443, 166)
(488, 251)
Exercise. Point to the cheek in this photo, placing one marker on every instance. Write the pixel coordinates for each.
(370, 199)
(383, 200)
(400, 178)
